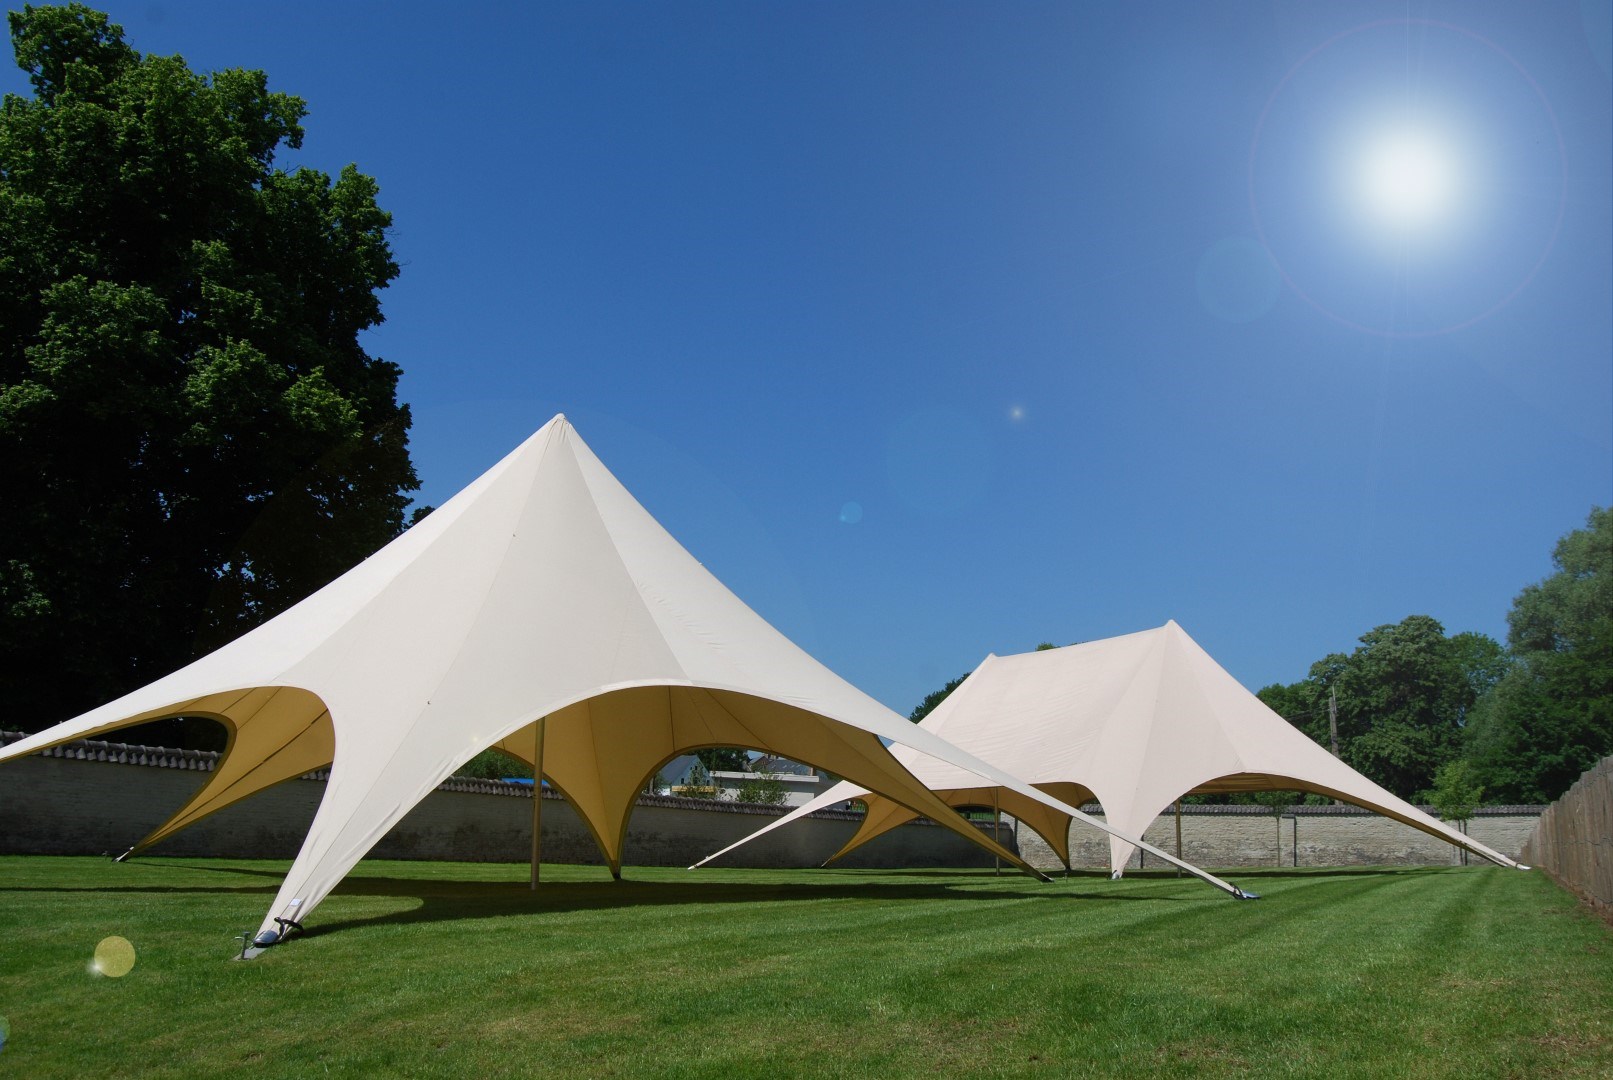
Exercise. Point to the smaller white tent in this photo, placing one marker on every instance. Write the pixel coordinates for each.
(1134, 722)
(543, 611)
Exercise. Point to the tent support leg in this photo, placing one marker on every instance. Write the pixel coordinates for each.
(537, 798)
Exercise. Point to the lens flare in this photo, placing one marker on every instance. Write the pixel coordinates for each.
(114, 957)
(1408, 179)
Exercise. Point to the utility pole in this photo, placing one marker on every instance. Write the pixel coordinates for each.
(1332, 730)
(1333, 719)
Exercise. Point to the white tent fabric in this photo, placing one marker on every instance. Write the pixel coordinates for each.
(544, 611)
(1134, 722)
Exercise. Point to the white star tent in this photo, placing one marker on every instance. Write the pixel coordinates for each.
(541, 610)
(1134, 722)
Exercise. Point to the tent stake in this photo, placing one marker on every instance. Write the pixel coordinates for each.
(537, 797)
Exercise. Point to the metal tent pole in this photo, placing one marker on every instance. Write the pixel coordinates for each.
(996, 828)
(1178, 834)
(537, 797)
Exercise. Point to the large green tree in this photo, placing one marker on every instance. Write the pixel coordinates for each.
(191, 434)
(1550, 716)
(1404, 696)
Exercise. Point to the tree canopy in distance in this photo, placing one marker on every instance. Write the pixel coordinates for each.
(192, 436)
(1403, 696)
(935, 697)
(1550, 715)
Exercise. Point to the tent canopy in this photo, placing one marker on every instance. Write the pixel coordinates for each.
(1133, 722)
(541, 592)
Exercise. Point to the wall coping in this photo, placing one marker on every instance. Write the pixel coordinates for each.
(162, 757)
(1303, 810)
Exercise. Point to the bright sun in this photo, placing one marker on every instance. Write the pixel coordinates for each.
(1407, 180)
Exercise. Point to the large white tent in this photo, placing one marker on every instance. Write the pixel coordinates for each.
(1134, 722)
(541, 610)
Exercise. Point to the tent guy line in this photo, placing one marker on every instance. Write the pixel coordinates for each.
(542, 592)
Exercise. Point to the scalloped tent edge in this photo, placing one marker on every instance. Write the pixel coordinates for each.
(542, 610)
(1132, 722)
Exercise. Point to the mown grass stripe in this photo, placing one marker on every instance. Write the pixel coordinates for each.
(443, 969)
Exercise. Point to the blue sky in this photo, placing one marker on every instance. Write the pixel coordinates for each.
(942, 329)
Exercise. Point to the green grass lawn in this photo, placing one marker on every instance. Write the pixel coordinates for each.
(457, 970)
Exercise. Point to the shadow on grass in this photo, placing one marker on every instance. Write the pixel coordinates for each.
(456, 899)
(443, 901)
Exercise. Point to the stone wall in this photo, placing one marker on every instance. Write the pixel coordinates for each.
(91, 798)
(1221, 836)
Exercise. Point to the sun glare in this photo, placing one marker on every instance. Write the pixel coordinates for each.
(1408, 180)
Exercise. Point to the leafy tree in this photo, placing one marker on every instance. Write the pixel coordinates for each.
(1550, 715)
(1483, 663)
(1295, 703)
(1276, 802)
(1456, 793)
(764, 788)
(723, 759)
(494, 765)
(931, 700)
(1403, 696)
(191, 435)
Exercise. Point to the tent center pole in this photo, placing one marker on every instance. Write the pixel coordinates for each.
(537, 797)
(1178, 834)
(996, 828)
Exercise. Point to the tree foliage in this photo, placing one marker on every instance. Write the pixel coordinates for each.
(762, 788)
(1456, 792)
(192, 436)
(1550, 715)
(493, 764)
(723, 759)
(934, 698)
(1404, 695)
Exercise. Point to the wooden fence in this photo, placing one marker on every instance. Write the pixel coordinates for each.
(1574, 840)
